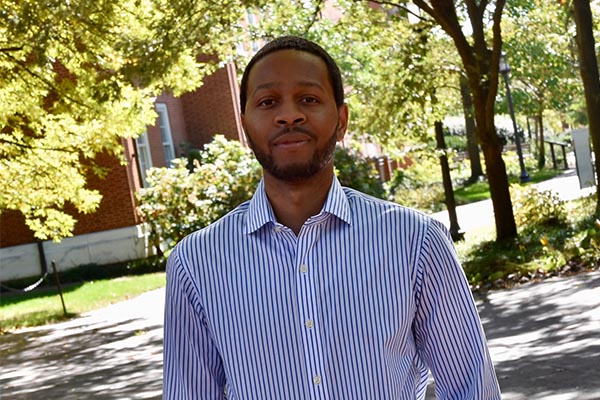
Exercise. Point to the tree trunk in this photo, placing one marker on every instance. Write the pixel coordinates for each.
(588, 68)
(542, 141)
(481, 67)
(472, 146)
(504, 218)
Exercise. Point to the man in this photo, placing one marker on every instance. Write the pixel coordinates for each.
(311, 290)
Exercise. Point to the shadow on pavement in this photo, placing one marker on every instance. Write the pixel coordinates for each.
(93, 360)
(544, 338)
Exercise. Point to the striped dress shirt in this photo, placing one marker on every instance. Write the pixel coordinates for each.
(361, 304)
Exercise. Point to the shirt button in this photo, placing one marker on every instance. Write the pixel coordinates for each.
(304, 268)
(309, 323)
(317, 380)
(278, 228)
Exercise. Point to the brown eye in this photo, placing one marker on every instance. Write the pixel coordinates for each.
(266, 103)
(310, 99)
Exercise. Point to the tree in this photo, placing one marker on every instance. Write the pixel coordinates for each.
(480, 56)
(537, 43)
(77, 77)
(588, 68)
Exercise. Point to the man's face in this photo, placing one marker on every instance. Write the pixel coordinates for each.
(291, 119)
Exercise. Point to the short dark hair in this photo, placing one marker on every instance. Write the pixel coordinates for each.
(300, 44)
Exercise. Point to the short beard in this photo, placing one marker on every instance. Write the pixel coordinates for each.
(299, 171)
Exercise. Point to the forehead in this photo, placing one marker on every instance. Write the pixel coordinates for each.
(288, 67)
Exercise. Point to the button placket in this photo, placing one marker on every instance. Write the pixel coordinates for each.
(306, 286)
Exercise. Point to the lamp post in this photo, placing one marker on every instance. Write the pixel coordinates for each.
(504, 69)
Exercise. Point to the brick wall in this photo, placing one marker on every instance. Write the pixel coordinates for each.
(116, 208)
(213, 109)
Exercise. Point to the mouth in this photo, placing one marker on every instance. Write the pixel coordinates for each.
(291, 140)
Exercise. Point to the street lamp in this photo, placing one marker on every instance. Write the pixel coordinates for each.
(504, 69)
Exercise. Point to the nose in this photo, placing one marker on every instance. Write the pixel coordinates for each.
(290, 114)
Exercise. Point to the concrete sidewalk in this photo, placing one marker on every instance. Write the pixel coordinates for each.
(113, 353)
(481, 214)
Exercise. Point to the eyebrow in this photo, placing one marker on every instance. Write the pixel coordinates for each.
(270, 85)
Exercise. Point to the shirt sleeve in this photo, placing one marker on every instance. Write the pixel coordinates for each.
(193, 368)
(448, 333)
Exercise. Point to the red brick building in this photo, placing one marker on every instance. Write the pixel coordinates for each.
(114, 233)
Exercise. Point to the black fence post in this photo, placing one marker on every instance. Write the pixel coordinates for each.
(62, 300)
(455, 231)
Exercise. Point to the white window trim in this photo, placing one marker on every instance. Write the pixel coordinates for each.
(165, 133)
(142, 146)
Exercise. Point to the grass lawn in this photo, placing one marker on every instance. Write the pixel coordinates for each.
(43, 306)
(481, 191)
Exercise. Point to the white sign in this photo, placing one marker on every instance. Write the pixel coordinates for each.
(583, 157)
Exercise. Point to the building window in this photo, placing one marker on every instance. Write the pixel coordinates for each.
(165, 133)
(143, 155)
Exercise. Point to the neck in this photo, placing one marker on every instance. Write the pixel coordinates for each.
(295, 202)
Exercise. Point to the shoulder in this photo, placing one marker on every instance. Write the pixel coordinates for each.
(392, 216)
(360, 201)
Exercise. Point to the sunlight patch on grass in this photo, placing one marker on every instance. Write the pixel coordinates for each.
(38, 308)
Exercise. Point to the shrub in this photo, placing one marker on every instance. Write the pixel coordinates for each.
(418, 186)
(583, 247)
(178, 202)
(356, 172)
(533, 207)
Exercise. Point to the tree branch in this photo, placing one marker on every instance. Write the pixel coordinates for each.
(315, 16)
(44, 81)
(29, 147)
(9, 49)
(402, 7)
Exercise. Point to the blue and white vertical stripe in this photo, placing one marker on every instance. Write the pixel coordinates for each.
(360, 305)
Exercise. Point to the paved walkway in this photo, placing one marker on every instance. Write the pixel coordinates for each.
(544, 339)
(113, 353)
(481, 214)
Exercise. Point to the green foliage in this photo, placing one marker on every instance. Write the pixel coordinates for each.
(456, 142)
(566, 245)
(534, 208)
(541, 56)
(358, 173)
(583, 246)
(76, 77)
(178, 202)
(420, 184)
(513, 167)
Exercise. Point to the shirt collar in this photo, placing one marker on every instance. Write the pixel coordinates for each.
(261, 213)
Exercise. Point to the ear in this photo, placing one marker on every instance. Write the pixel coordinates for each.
(342, 121)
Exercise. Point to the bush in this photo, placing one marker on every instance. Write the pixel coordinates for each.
(178, 202)
(356, 172)
(420, 185)
(533, 207)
